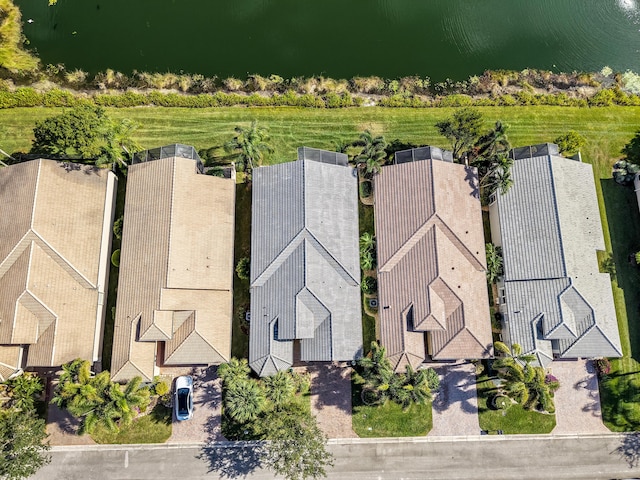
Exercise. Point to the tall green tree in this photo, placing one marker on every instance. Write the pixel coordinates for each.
(632, 149)
(233, 371)
(494, 142)
(85, 132)
(372, 154)
(244, 400)
(280, 388)
(23, 450)
(249, 147)
(296, 448)
(463, 130)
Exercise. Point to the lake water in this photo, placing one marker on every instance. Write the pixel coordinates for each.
(336, 38)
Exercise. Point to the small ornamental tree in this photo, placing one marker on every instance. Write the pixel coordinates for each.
(570, 143)
(243, 268)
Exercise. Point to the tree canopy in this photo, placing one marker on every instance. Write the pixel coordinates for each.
(463, 130)
(22, 447)
(570, 143)
(85, 132)
(632, 149)
(249, 147)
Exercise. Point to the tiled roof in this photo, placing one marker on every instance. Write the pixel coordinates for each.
(305, 275)
(549, 231)
(54, 258)
(176, 268)
(431, 263)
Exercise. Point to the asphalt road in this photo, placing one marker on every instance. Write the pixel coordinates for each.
(519, 457)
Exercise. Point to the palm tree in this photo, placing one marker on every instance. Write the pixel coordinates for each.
(415, 387)
(233, 371)
(244, 401)
(367, 242)
(493, 142)
(23, 390)
(280, 388)
(494, 173)
(119, 145)
(249, 146)
(494, 262)
(523, 382)
(373, 153)
(367, 260)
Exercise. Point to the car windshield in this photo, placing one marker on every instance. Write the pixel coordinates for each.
(183, 395)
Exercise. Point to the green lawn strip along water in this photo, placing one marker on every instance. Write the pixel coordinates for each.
(152, 428)
(242, 248)
(388, 420)
(515, 420)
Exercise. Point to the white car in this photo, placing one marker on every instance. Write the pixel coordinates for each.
(183, 401)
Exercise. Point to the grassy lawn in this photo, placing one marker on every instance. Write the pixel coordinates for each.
(606, 129)
(152, 428)
(241, 300)
(515, 419)
(388, 420)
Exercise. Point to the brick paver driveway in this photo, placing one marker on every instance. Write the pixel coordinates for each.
(207, 399)
(455, 404)
(578, 399)
(331, 398)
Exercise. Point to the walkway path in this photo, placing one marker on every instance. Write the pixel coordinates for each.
(578, 399)
(455, 404)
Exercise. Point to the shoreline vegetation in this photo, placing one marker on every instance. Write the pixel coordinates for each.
(53, 86)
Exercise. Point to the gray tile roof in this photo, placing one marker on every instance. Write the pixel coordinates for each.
(305, 273)
(431, 263)
(557, 301)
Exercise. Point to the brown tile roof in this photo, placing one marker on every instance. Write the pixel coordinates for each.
(53, 259)
(431, 263)
(176, 268)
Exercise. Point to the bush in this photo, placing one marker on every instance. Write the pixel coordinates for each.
(243, 268)
(160, 387)
(500, 402)
(117, 228)
(603, 367)
(369, 285)
(366, 189)
(115, 258)
(433, 379)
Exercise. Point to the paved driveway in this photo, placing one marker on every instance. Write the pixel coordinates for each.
(455, 404)
(207, 399)
(578, 399)
(331, 398)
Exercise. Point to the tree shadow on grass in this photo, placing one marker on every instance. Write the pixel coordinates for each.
(629, 449)
(233, 459)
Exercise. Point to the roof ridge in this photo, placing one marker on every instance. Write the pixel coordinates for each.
(344, 273)
(556, 214)
(408, 245)
(279, 259)
(65, 264)
(459, 244)
(14, 254)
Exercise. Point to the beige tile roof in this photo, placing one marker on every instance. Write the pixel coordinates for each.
(54, 236)
(176, 269)
(10, 357)
(431, 263)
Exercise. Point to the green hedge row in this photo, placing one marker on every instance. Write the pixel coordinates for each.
(28, 97)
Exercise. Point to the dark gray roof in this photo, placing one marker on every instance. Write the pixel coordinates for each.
(423, 153)
(305, 273)
(556, 298)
